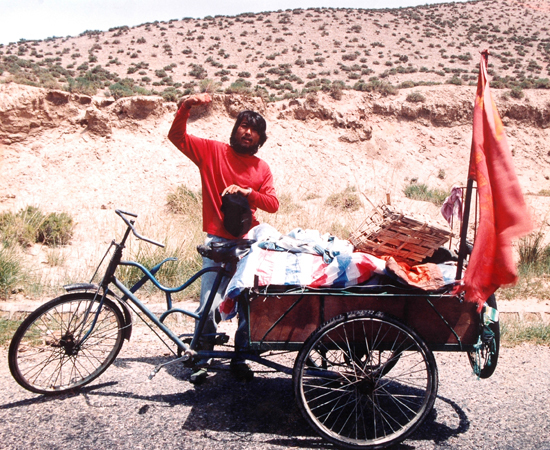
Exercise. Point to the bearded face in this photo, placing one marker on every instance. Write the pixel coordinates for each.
(246, 139)
(248, 133)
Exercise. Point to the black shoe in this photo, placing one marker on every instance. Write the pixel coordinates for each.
(199, 375)
(200, 371)
(241, 370)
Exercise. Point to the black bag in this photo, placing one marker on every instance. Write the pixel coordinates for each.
(226, 251)
(237, 215)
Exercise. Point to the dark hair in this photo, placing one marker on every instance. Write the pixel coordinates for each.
(256, 121)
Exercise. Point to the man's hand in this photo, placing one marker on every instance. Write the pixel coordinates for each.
(234, 189)
(194, 100)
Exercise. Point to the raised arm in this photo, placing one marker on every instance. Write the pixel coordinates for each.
(178, 132)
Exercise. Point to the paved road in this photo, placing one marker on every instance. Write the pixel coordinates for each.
(123, 410)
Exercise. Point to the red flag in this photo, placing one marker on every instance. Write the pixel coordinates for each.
(503, 213)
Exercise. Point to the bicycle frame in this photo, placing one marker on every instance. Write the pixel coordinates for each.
(188, 350)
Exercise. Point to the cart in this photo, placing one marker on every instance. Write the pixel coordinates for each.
(364, 377)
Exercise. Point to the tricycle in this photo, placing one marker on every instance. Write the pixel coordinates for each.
(364, 376)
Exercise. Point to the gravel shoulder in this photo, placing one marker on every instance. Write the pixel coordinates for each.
(122, 409)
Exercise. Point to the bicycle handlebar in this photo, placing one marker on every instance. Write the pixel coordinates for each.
(130, 224)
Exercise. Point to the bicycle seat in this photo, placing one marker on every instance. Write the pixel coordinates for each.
(223, 252)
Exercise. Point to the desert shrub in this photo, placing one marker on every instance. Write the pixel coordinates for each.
(21, 227)
(534, 256)
(336, 91)
(421, 191)
(455, 80)
(347, 200)
(406, 84)
(197, 71)
(375, 85)
(56, 229)
(415, 97)
(209, 85)
(183, 200)
(82, 86)
(240, 86)
(122, 88)
(343, 231)
(287, 205)
(171, 94)
(517, 92)
(30, 225)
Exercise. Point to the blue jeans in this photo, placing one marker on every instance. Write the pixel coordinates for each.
(207, 282)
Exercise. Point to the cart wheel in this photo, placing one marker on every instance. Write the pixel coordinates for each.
(344, 386)
(484, 361)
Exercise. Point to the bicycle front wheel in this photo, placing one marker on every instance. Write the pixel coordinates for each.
(48, 355)
(364, 380)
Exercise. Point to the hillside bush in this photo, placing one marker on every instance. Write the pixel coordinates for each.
(415, 97)
(240, 86)
(56, 229)
(21, 227)
(184, 200)
(533, 254)
(30, 225)
(347, 200)
(517, 93)
(421, 191)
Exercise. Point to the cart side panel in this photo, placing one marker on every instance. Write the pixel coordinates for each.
(300, 322)
(461, 316)
(313, 310)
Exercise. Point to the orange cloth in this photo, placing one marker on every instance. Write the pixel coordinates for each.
(424, 276)
(503, 213)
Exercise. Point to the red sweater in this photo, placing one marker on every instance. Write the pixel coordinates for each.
(221, 166)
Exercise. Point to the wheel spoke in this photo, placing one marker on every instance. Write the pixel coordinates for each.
(48, 354)
(369, 380)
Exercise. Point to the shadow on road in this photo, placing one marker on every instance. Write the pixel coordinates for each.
(266, 405)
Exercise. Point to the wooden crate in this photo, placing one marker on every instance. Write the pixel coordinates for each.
(389, 233)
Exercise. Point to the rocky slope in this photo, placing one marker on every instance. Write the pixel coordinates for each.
(73, 152)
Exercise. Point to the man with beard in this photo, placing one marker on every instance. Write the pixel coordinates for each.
(225, 169)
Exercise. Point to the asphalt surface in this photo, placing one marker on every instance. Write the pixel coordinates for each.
(123, 410)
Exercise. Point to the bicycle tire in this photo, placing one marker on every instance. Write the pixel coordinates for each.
(44, 355)
(486, 363)
(369, 399)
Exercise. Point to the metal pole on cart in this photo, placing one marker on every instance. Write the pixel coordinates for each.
(463, 248)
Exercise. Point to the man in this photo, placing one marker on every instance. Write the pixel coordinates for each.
(225, 169)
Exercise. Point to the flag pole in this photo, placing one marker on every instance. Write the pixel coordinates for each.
(463, 247)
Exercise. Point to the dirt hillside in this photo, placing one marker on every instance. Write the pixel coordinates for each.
(279, 53)
(72, 152)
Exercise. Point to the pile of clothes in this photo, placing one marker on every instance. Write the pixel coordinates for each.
(305, 258)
